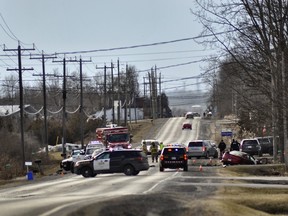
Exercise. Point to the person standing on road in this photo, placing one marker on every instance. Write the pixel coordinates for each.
(161, 146)
(154, 152)
(234, 146)
(222, 147)
(144, 148)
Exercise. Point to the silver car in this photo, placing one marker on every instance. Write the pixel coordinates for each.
(201, 148)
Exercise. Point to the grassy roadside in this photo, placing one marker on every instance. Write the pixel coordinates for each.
(50, 166)
(248, 200)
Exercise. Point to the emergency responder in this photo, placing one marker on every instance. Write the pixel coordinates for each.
(144, 148)
(222, 147)
(234, 146)
(154, 152)
(161, 146)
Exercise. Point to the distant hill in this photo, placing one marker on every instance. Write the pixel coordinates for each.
(181, 101)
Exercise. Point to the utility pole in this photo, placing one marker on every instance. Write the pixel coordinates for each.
(126, 92)
(151, 97)
(112, 89)
(105, 91)
(20, 69)
(43, 57)
(156, 93)
(144, 99)
(118, 95)
(64, 93)
(81, 100)
(160, 98)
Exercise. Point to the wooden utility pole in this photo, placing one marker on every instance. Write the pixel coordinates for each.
(20, 69)
(118, 95)
(64, 95)
(112, 91)
(105, 92)
(126, 96)
(81, 102)
(43, 57)
(160, 98)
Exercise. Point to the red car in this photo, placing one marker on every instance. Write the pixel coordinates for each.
(187, 125)
(238, 157)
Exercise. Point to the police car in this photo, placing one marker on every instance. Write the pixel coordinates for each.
(127, 161)
(68, 163)
(173, 156)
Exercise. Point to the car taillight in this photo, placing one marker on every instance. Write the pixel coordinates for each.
(161, 157)
(203, 148)
(185, 157)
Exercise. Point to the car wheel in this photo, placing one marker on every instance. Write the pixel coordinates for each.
(72, 168)
(129, 170)
(161, 169)
(186, 168)
(136, 172)
(87, 172)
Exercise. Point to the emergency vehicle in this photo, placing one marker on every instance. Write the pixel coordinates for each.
(114, 137)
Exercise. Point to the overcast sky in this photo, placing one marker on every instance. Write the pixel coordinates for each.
(71, 25)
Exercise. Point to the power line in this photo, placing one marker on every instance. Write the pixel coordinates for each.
(144, 45)
(15, 38)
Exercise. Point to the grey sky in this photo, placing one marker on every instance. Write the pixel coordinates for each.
(70, 25)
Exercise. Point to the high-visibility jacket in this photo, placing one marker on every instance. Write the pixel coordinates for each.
(154, 149)
(161, 146)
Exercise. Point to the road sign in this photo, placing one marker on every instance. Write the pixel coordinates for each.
(226, 133)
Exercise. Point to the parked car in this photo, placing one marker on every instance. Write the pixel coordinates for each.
(173, 157)
(127, 161)
(266, 144)
(201, 148)
(68, 163)
(189, 115)
(251, 146)
(148, 144)
(186, 125)
(238, 157)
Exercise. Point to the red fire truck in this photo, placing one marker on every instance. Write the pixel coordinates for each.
(114, 137)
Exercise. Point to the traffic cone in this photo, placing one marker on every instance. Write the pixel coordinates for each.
(200, 168)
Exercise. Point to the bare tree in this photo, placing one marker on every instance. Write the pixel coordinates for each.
(253, 35)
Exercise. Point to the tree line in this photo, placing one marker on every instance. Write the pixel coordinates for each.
(249, 76)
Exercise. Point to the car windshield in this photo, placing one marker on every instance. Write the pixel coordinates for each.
(195, 144)
(264, 140)
(89, 151)
(148, 143)
(76, 152)
(250, 142)
(118, 138)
